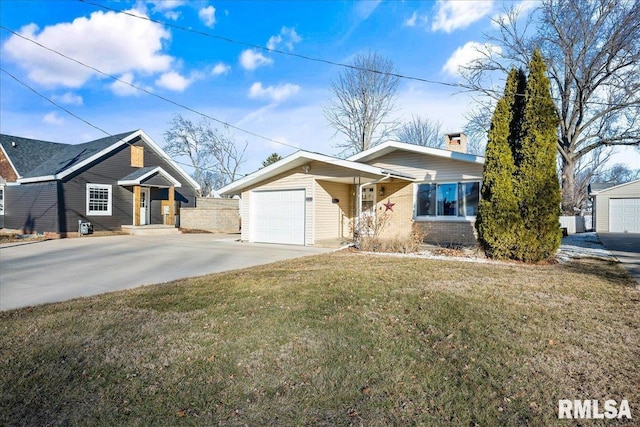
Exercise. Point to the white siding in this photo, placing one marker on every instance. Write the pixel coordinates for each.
(287, 181)
(332, 219)
(429, 168)
(601, 209)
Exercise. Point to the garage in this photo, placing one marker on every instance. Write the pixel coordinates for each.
(278, 217)
(624, 215)
(616, 208)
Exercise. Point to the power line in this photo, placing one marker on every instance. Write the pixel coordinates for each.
(148, 92)
(314, 59)
(71, 113)
(278, 51)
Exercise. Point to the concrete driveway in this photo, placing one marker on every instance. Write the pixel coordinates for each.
(58, 270)
(625, 247)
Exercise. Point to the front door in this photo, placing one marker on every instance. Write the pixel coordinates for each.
(144, 206)
(367, 220)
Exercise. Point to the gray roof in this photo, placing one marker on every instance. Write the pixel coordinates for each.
(33, 158)
(599, 186)
(137, 174)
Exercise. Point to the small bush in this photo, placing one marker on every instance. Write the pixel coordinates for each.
(403, 245)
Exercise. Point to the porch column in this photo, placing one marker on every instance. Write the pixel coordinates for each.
(136, 205)
(170, 220)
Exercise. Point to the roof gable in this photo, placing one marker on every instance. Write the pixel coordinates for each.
(143, 175)
(299, 159)
(610, 187)
(390, 146)
(69, 158)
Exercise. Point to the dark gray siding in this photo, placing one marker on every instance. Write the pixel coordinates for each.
(108, 171)
(32, 207)
(157, 179)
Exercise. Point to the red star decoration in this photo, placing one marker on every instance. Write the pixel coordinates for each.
(389, 206)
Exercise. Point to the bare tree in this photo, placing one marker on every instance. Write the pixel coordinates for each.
(212, 153)
(592, 51)
(227, 158)
(619, 174)
(421, 131)
(365, 96)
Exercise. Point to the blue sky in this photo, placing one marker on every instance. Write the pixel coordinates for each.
(277, 96)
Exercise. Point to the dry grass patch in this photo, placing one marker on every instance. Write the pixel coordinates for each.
(336, 339)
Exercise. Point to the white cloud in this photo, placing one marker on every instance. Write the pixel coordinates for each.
(172, 15)
(69, 98)
(208, 16)
(274, 93)
(53, 119)
(411, 22)
(468, 53)
(287, 36)
(220, 68)
(364, 9)
(122, 89)
(251, 59)
(173, 81)
(452, 15)
(415, 20)
(111, 42)
(162, 5)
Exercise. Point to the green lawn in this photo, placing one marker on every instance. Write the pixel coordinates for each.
(335, 339)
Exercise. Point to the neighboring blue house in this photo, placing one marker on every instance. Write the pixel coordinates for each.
(126, 179)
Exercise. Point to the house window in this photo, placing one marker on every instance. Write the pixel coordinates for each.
(469, 195)
(98, 199)
(1, 200)
(450, 199)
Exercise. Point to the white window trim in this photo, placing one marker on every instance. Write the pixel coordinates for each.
(444, 218)
(109, 201)
(4, 199)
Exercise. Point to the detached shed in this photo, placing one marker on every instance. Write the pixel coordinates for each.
(616, 209)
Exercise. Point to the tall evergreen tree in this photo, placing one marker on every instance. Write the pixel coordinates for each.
(537, 187)
(498, 221)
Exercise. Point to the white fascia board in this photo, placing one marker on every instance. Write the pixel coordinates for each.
(155, 147)
(6, 156)
(38, 179)
(300, 156)
(166, 157)
(96, 156)
(82, 164)
(267, 172)
(615, 187)
(159, 170)
(389, 146)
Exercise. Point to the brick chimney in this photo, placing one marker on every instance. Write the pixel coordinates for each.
(456, 142)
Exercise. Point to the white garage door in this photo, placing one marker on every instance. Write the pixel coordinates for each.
(278, 216)
(624, 215)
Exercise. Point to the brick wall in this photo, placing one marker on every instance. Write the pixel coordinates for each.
(6, 170)
(400, 216)
(446, 233)
(400, 222)
(215, 215)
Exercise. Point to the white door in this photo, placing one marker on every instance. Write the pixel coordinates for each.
(624, 215)
(144, 206)
(277, 217)
(367, 220)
